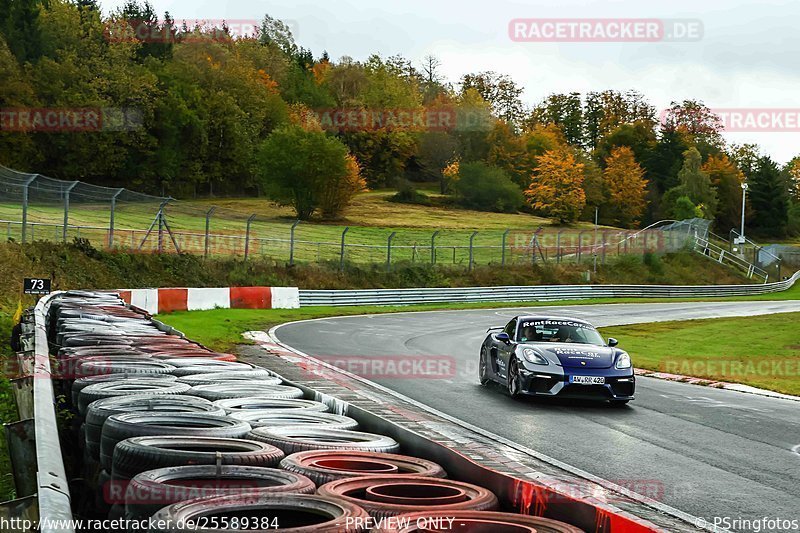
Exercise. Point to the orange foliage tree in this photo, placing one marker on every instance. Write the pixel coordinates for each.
(340, 189)
(557, 186)
(626, 186)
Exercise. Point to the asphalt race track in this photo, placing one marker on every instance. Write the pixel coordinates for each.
(711, 452)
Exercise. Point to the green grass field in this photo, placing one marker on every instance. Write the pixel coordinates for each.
(372, 219)
(762, 351)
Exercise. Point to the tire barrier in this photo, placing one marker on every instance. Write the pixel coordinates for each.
(212, 378)
(330, 465)
(172, 430)
(117, 428)
(127, 387)
(299, 513)
(79, 384)
(99, 411)
(299, 439)
(233, 405)
(245, 389)
(140, 454)
(150, 491)
(258, 418)
(475, 521)
(385, 496)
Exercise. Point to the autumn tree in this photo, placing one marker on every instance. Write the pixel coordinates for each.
(508, 152)
(557, 186)
(339, 189)
(727, 182)
(307, 169)
(499, 90)
(696, 182)
(626, 186)
(566, 112)
(792, 173)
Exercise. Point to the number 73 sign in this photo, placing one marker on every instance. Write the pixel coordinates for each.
(36, 286)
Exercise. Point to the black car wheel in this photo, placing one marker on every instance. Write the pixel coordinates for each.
(483, 369)
(619, 403)
(513, 378)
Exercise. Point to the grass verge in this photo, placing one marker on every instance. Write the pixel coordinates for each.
(761, 351)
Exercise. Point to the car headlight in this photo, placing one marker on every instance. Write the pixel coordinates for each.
(623, 361)
(532, 356)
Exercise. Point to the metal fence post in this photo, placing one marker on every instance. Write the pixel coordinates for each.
(605, 240)
(580, 245)
(208, 226)
(505, 238)
(558, 246)
(433, 247)
(247, 236)
(471, 250)
(25, 207)
(389, 252)
(66, 208)
(111, 219)
(291, 243)
(341, 257)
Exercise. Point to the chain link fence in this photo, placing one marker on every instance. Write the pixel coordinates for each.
(35, 207)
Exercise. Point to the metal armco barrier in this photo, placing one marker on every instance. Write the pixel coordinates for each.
(532, 293)
(53, 488)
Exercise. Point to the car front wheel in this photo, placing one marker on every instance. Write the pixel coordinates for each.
(483, 369)
(513, 379)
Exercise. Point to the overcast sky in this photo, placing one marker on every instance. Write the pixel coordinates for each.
(748, 57)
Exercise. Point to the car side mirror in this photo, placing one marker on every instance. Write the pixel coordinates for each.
(503, 337)
(612, 342)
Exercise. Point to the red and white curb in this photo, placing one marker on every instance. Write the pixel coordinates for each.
(167, 300)
(692, 380)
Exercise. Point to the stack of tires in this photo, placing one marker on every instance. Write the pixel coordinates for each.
(175, 437)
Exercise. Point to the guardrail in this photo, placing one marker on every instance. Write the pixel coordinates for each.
(532, 293)
(52, 485)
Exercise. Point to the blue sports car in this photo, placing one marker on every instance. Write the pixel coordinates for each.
(556, 356)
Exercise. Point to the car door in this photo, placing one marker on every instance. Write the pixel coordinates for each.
(504, 351)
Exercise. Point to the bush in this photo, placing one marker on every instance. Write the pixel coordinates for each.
(486, 188)
(408, 194)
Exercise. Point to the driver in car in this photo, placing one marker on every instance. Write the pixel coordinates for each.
(563, 335)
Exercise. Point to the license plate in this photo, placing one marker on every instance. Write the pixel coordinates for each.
(587, 380)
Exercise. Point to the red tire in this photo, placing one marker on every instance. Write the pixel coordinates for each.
(475, 521)
(385, 496)
(329, 465)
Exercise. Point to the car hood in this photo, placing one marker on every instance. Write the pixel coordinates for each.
(576, 355)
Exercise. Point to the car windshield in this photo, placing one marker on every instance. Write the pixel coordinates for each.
(558, 331)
